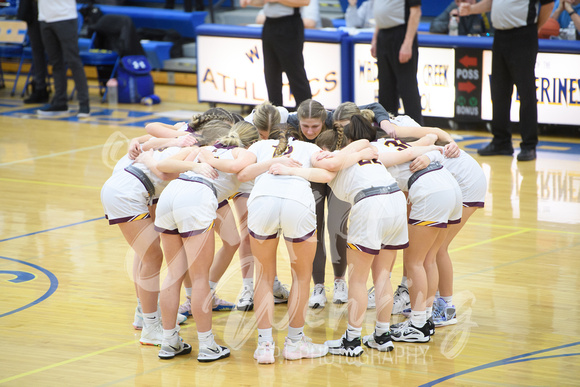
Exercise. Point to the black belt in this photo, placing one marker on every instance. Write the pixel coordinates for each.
(373, 191)
(196, 179)
(143, 178)
(435, 165)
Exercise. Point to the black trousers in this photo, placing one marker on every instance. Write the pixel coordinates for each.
(61, 42)
(187, 5)
(39, 62)
(282, 45)
(514, 61)
(398, 79)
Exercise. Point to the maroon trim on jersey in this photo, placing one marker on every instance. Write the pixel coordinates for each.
(473, 204)
(166, 231)
(395, 247)
(194, 232)
(240, 194)
(128, 219)
(262, 237)
(222, 203)
(301, 239)
(454, 221)
(427, 223)
(354, 246)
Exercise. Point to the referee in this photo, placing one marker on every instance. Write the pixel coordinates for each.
(515, 47)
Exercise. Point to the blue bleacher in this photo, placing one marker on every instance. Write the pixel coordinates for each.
(183, 22)
(429, 8)
(143, 3)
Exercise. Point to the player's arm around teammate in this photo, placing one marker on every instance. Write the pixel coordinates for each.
(282, 204)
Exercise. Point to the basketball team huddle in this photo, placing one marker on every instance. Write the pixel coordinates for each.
(386, 183)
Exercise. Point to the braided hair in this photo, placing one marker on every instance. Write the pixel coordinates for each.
(212, 131)
(332, 139)
(242, 134)
(283, 132)
(197, 122)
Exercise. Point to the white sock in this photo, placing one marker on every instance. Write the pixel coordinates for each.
(448, 300)
(151, 318)
(295, 334)
(428, 312)
(418, 318)
(249, 282)
(404, 281)
(205, 337)
(265, 335)
(437, 295)
(188, 292)
(138, 303)
(381, 328)
(170, 335)
(352, 332)
(212, 286)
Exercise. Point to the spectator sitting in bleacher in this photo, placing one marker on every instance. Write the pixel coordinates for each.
(187, 5)
(566, 11)
(361, 17)
(468, 25)
(310, 15)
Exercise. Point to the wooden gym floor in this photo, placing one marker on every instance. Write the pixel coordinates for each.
(67, 299)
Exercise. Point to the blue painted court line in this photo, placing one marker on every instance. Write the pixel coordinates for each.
(509, 360)
(48, 293)
(50, 229)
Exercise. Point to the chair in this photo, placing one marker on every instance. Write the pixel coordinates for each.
(12, 42)
(98, 58)
(114, 37)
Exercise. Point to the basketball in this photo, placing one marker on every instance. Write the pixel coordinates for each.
(550, 28)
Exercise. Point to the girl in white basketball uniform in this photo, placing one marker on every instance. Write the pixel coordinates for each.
(473, 184)
(197, 128)
(377, 226)
(435, 200)
(282, 204)
(129, 197)
(265, 116)
(185, 216)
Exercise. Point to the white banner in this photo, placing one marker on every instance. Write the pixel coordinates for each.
(435, 77)
(231, 70)
(557, 89)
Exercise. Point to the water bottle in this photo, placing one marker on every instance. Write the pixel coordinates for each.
(571, 31)
(112, 91)
(453, 26)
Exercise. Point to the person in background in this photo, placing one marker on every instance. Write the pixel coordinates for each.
(477, 24)
(396, 48)
(310, 15)
(28, 11)
(566, 11)
(282, 45)
(361, 17)
(515, 47)
(59, 29)
(187, 5)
